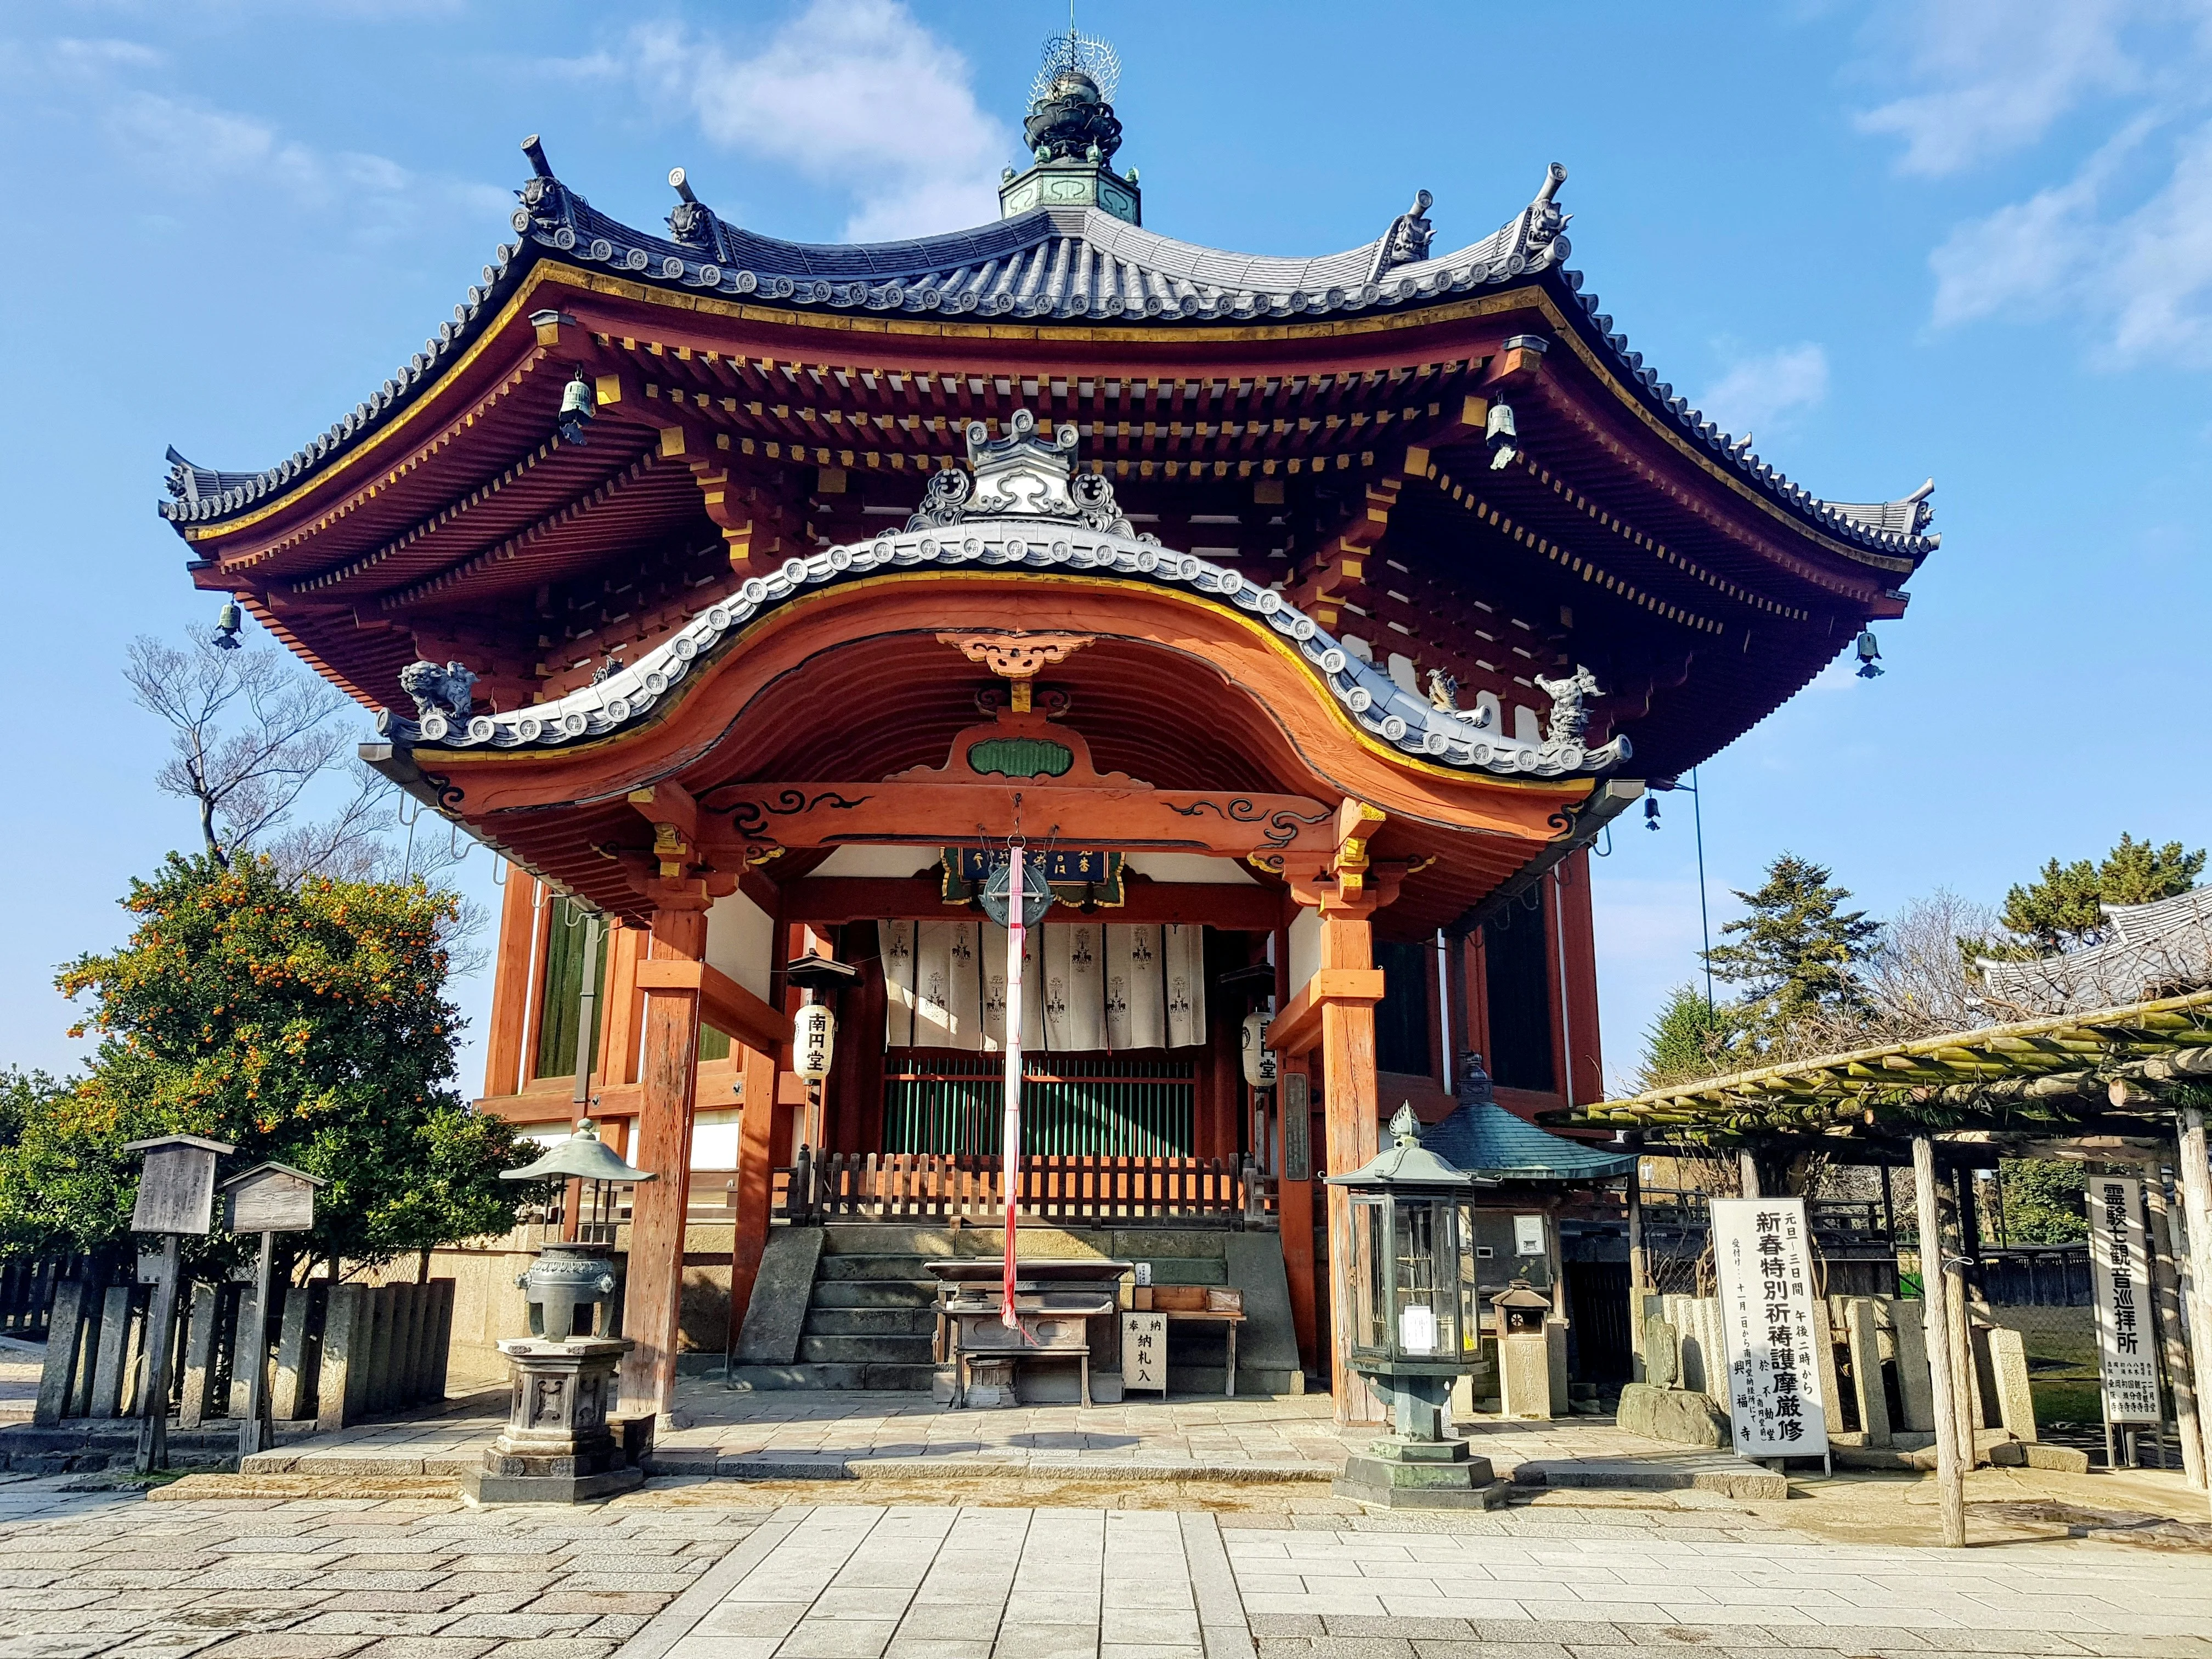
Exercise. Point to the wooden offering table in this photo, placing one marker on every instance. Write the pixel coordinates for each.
(1067, 1308)
(1199, 1305)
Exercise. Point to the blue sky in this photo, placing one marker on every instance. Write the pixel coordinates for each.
(1966, 240)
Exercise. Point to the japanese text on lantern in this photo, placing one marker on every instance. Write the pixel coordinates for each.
(2127, 1357)
(1769, 1323)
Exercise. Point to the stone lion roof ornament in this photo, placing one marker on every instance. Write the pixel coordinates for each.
(1020, 476)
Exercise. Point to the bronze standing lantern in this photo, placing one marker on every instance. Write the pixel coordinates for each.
(559, 1446)
(1416, 1323)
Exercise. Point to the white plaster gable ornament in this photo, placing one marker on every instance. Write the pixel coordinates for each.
(1022, 476)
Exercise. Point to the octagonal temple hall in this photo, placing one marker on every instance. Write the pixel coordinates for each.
(1309, 618)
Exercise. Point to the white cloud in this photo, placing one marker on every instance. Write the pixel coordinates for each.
(852, 93)
(1995, 73)
(2140, 276)
(190, 149)
(1756, 391)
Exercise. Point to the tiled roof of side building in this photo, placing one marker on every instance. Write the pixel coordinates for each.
(1077, 266)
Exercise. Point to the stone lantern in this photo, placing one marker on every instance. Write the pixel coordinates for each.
(558, 1446)
(1416, 1323)
(1531, 1349)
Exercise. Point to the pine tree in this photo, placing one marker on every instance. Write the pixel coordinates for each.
(2063, 908)
(1796, 951)
(1690, 1040)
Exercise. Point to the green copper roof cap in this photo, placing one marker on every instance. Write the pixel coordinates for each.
(1408, 1163)
(1481, 1135)
(584, 1156)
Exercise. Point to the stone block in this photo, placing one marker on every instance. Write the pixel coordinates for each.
(1915, 1391)
(118, 1355)
(67, 1349)
(2009, 1364)
(1832, 1388)
(199, 1357)
(341, 1386)
(775, 1318)
(1866, 1371)
(2033, 1454)
(1684, 1416)
(1662, 1353)
(289, 1398)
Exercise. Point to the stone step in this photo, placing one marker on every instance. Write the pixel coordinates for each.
(865, 1350)
(845, 1376)
(874, 1292)
(871, 1264)
(869, 1321)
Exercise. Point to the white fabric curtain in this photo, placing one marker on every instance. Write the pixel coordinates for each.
(1087, 985)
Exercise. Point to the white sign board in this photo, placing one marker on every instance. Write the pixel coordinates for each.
(1144, 1350)
(1769, 1321)
(2127, 1356)
(1528, 1235)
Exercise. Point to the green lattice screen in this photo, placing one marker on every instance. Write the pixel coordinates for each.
(1106, 1105)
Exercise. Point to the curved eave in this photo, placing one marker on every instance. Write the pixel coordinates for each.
(1057, 270)
(1381, 712)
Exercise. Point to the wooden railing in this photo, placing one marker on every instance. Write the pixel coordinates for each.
(1073, 1190)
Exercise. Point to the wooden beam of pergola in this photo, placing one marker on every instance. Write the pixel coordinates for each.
(2031, 1076)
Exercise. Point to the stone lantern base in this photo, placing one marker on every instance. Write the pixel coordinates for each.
(1422, 1466)
(1399, 1473)
(557, 1447)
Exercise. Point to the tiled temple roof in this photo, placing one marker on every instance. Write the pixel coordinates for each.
(1078, 267)
(2161, 949)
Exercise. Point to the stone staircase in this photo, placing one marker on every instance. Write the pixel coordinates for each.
(869, 1304)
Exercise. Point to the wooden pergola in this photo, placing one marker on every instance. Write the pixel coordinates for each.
(2124, 1085)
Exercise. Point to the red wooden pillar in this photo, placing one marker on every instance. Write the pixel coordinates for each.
(1294, 1186)
(510, 987)
(667, 1083)
(755, 1181)
(1348, 1058)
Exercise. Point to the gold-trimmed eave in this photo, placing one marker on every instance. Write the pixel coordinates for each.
(1571, 793)
(550, 270)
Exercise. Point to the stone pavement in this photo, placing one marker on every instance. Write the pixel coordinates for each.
(796, 1434)
(660, 1575)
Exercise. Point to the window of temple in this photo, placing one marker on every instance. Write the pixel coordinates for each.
(1516, 982)
(1401, 1018)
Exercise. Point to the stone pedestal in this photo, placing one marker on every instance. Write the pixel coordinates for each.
(557, 1447)
(1529, 1365)
(991, 1382)
(1420, 1466)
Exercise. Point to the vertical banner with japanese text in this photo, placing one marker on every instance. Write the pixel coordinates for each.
(2127, 1353)
(1769, 1321)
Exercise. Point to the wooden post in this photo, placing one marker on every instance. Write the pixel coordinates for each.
(667, 1088)
(1950, 1478)
(1746, 1173)
(1347, 1052)
(756, 1186)
(153, 1395)
(251, 1353)
(1639, 1269)
(2159, 1234)
(1960, 1330)
(2197, 1213)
